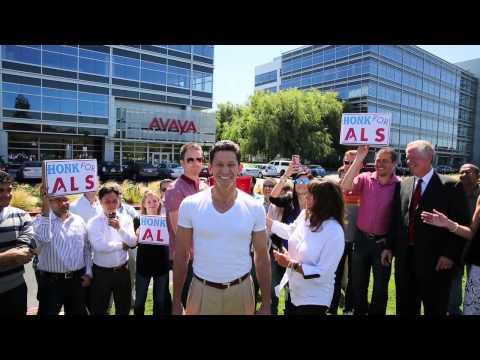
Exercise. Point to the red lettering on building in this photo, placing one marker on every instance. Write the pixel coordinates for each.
(173, 125)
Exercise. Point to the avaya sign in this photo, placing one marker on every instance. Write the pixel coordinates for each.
(173, 125)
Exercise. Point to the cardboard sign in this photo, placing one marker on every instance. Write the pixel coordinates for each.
(153, 230)
(366, 129)
(66, 177)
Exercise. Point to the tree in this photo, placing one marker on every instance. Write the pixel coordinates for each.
(21, 102)
(285, 123)
(224, 117)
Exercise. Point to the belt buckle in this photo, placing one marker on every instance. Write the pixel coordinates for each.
(68, 275)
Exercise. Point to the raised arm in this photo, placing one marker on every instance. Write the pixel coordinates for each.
(347, 182)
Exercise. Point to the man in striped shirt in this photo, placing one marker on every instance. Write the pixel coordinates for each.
(16, 235)
(64, 258)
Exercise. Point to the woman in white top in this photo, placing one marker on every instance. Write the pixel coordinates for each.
(315, 247)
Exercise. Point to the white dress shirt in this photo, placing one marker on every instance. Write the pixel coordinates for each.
(83, 208)
(318, 252)
(107, 242)
(425, 180)
(62, 245)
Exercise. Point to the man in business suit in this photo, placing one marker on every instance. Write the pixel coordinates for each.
(425, 256)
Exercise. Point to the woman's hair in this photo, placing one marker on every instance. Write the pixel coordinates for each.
(327, 203)
(143, 209)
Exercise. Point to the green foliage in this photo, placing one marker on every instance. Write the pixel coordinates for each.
(284, 123)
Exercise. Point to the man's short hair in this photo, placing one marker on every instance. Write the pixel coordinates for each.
(225, 145)
(389, 150)
(188, 146)
(270, 180)
(424, 147)
(474, 167)
(5, 178)
(107, 189)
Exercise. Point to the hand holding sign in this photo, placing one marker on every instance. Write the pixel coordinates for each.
(362, 152)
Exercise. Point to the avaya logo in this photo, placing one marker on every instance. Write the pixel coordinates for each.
(173, 125)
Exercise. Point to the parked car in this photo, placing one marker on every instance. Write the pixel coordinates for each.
(165, 170)
(109, 170)
(269, 170)
(281, 166)
(444, 169)
(140, 170)
(30, 171)
(317, 171)
(251, 171)
(177, 171)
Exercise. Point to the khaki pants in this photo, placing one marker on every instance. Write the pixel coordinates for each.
(206, 300)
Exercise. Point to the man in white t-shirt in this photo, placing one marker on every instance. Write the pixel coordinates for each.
(221, 223)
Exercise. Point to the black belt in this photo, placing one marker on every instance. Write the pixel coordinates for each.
(223, 286)
(375, 237)
(116, 268)
(61, 276)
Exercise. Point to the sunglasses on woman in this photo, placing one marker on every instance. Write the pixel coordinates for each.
(302, 181)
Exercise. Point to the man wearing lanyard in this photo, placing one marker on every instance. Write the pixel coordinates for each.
(376, 191)
(64, 258)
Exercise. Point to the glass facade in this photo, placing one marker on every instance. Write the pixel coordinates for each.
(429, 98)
(70, 89)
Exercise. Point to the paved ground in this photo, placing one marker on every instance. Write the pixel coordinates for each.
(32, 302)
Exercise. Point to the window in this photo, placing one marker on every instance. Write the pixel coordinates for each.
(56, 105)
(341, 52)
(307, 61)
(61, 61)
(153, 72)
(317, 58)
(184, 48)
(329, 54)
(341, 72)
(412, 61)
(93, 108)
(22, 54)
(62, 49)
(203, 50)
(391, 52)
(202, 81)
(355, 49)
(21, 101)
(178, 77)
(266, 78)
(306, 80)
(93, 66)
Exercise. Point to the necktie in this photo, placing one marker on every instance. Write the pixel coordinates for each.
(416, 197)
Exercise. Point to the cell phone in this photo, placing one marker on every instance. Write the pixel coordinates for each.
(112, 215)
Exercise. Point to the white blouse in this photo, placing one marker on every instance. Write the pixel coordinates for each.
(318, 252)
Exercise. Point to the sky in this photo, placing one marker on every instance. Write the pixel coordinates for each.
(234, 73)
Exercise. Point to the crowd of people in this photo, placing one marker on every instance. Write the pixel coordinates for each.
(231, 252)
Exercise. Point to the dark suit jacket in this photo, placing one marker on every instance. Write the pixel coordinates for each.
(442, 193)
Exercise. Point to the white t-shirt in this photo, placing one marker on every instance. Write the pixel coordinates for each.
(319, 253)
(221, 242)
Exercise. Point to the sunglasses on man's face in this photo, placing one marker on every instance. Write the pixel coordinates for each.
(302, 181)
(346, 162)
(191, 160)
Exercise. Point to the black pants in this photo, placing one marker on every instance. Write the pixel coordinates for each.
(186, 285)
(413, 289)
(107, 281)
(308, 310)
(366, 257)
(13, 303)
(347, 256)
(53, 293)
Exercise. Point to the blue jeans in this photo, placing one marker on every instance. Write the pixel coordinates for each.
(162, 300)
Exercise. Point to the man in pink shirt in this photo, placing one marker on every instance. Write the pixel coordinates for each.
(376, 191)
(191, 159)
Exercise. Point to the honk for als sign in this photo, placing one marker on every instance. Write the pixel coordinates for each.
(66, 177)
(153, 230)
(365, 129)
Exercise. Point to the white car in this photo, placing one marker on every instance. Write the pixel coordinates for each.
(269, 170)
(177, 172)
(280, 166)
(251, 171)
